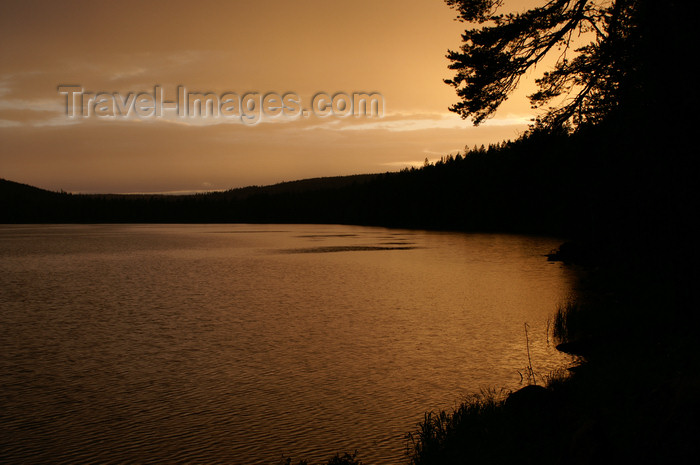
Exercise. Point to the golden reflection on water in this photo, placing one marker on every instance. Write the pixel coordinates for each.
(241, 343)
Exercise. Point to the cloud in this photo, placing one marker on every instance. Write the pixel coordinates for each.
(305, 47)
(4, 123)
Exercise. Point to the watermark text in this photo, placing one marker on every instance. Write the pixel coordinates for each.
(248, 108)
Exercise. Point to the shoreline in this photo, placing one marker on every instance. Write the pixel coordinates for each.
(630, 400)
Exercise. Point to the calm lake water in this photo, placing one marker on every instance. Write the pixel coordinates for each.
(240, 344)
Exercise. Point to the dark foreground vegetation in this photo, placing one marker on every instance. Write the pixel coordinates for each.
(633, 398)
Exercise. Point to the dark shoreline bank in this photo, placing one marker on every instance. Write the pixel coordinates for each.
(632, 399)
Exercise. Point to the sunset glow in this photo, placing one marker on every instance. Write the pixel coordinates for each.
(393, 48)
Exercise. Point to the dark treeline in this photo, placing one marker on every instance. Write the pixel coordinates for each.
(530, 185)
(611, 180)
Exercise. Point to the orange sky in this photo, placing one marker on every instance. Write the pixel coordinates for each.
(394, 47)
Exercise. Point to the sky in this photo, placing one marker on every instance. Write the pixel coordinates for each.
(393, 48)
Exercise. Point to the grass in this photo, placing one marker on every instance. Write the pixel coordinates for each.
(447, 436)
(634, 398)
(487, 428)
(569, 322)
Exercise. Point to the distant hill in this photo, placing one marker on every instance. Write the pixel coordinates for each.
(303, 185)
(524, 186)
(16, 190)
(22, 202)
(615, 180)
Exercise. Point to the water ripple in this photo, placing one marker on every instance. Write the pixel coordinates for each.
(170, 344)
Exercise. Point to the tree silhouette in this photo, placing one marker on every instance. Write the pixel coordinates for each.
(599, 48)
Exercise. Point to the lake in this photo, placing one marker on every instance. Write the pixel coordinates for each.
(241, 344)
